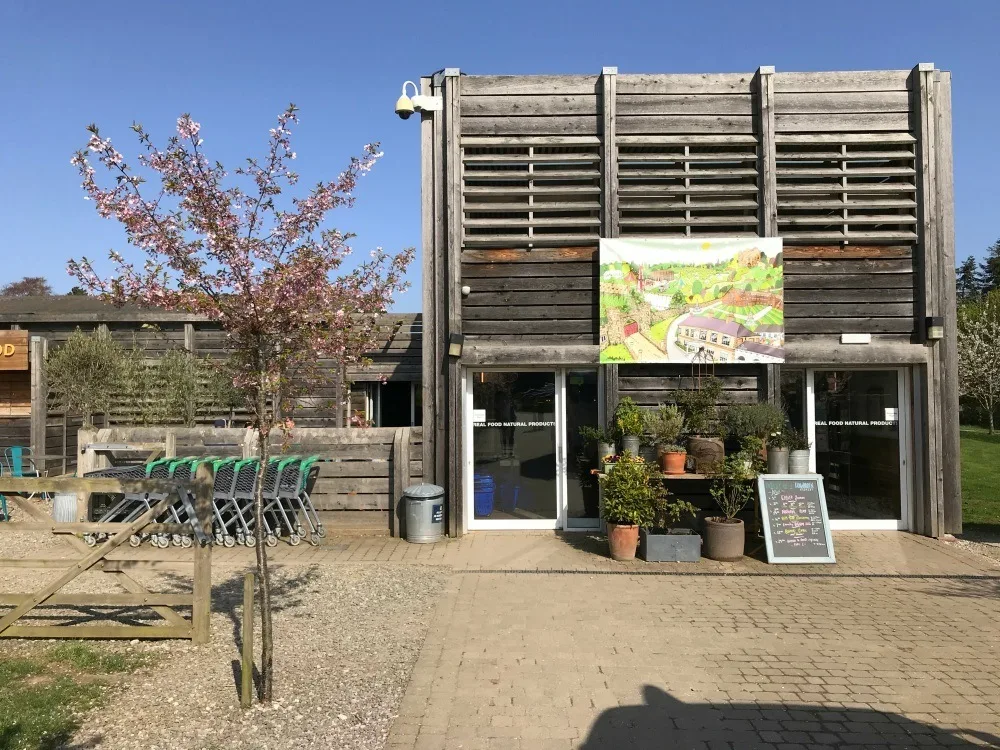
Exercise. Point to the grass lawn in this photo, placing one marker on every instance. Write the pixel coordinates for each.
(980, 495)
(43, 695)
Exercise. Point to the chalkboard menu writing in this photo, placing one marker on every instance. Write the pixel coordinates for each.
(796, 525)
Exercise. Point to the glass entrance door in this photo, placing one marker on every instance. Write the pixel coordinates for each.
(857, 425)
(526, 466)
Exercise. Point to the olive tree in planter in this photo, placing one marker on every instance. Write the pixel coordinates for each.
(667, 424)
(698, 407)
(630, 488)
(798, 456)
(732, 490)
(630, 423)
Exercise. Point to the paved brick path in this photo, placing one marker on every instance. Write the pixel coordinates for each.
(588, 660)
(543, 642)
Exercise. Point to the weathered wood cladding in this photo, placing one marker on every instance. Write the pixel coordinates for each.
(688, 152)
(650, 385)
(851, 169)
(396, 358)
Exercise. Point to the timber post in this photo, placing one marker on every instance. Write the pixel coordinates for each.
(201, 608)
(37, 351)
(246, 668)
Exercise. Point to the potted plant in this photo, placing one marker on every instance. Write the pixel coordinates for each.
(732, 490)
(630, 488)
(603, 438)
(664, 540)
(760, 420)
(698, 407)
(666, 424)
(798, 452)
(630, 423)
(777, 452)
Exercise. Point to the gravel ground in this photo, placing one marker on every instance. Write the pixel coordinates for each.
(346, 639)
(987, 548)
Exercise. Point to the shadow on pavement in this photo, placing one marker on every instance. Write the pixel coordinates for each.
(662, 721)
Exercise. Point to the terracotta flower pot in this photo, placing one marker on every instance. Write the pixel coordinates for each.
(623, 539)
(724, 540)
(672, 462)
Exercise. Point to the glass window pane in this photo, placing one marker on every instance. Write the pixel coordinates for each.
(581, 485)
(793, 397)
(857, 442)
(514, 445)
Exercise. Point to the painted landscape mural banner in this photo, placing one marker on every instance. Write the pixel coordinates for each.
(713, 300)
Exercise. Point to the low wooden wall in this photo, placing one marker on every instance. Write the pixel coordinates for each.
(360, 482)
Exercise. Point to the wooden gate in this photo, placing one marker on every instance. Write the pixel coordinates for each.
(174, 625)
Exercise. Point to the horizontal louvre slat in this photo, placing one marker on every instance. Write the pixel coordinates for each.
(529, 194)
(681, 188)
(846, 189)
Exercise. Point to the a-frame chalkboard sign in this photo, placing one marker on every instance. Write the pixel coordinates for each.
(796, 525)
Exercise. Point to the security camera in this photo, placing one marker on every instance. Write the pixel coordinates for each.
(404, 105)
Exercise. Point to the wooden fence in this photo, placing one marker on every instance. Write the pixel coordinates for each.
(361, 477)
(136, 594)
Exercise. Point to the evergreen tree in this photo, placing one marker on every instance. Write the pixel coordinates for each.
(968, 280)
(989, 269)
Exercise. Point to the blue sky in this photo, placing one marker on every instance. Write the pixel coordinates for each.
(234, 65)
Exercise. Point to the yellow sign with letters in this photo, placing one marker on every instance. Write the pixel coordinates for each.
(13, 350)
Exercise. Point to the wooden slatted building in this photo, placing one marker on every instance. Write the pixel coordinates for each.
(523, 175)
(385, 392)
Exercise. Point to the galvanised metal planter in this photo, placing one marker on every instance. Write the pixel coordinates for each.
(673, 545)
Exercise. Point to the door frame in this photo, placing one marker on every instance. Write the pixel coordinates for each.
(470, 523)
(903, 385)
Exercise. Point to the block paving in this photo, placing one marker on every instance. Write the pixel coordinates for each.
(542, 642)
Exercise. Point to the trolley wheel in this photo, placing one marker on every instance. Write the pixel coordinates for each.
(294, 540)
(320, 531)
(299, 530)
(135, 540)
(229, 541)
(164, 540)
(314, 541)
(250, 541)
(271, 540)
(186, 541)
(176, 539)
(102, 537)
(90, 539)
(219, 537)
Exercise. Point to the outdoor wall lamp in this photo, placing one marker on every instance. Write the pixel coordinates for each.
(935, 328)
(455, 342)
(406, 106)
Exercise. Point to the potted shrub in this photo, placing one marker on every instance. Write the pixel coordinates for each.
(630, 488)
(630, 423)
(664, 540)
(603, 438)
(666, 424)
(777, 453)
(798, 452)
(698, 407)
(740, 421)
(732, 490)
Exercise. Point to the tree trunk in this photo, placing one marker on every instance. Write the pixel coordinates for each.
(263, 575)
(991, 420)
